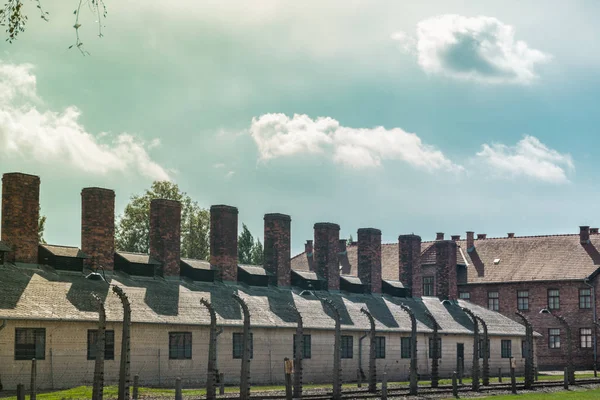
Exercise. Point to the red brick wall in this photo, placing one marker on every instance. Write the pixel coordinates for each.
(538, 292)
(445, 274)
(409, 256)
(277, 248)
(327, 237)
(165, 235)
(224, 241)
(369, 258)
(98, 227)
(20, 215)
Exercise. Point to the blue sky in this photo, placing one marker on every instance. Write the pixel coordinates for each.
(409, 117)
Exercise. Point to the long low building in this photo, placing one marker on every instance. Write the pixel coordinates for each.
(48, 309)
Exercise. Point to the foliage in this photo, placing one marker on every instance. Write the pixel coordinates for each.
(249, 251)
(350, 240)
(41, 227)
(133, 227)
(257, 253)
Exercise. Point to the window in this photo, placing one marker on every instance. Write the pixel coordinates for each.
(506, 349)
(405, 347)
(553, 299)
(464, 295)
(439, 348)
(347, 346)
(238, 348)
(493, 301)
(523, 300)
(180, 345)
(481, 348)
(109, 345)
(523, 348)
(379, 346)
(554, 338)
(585, 298)
(585, 338)
(306, 346)
(30, 343)
(428, 286)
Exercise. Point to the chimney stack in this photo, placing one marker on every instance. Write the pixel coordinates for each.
(584, 234)
(369, 258)
(20, 216)
(409, 256)
(593, 231)
(445, 268)
(439, 236)
(481, 236)
(165, 236)
(327, 239)
(470, 240)
(455, 238)
(277, 250)
(511, 235)
(98, 227)
(224, 241)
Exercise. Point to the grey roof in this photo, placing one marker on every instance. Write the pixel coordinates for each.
(253, 270)
(64, 251)
(4, 247)
(196, 264)
(138, 258)
(351, 279)
(308, 275)
(36, 294)
(396, 284)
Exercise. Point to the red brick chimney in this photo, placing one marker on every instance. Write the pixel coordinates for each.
(409, 261)
(20, 216)
(369, 258)
(327, 266)
(98, 227)
(511, 235)
(584, 234)
(593, 231)
(165, 236)
(455, 238)
(481, 236)
(439, 236)
(470, 240)
(223, 242)
(445, 268)
(277, 248)
(308, 249)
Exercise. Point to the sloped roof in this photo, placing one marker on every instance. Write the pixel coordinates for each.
(35, 294)
(138, 258)
(64, 251)
(253, 269)
(196, 264)
(525, 258)
(4, 247)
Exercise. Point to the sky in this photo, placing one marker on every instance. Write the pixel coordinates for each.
(411, 117)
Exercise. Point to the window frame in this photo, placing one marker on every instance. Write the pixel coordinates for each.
(405, 347)
(464, 295)
(380, 347)
(523, 301)
(429, 285)
(555, 299)
(587, 299)
(493, 301)
(489, 348)
(109, 344)
(588, 338)
(182, 351)
(506, 348)
(552, 338)
(240, 338)
(306, 346)
(439, 348)
(347, 347)
(38, 354)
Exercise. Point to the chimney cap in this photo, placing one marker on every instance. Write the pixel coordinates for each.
(166, 202)
(327, 225)
(455, 237)
(410, 236)
(511, 235)
(373, 231)
(223, 207)
(594, 231)
(584, 228)
(481, 235)
(309, 241)
(278, 216)
(439, 236)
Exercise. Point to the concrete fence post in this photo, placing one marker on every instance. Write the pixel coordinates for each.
(124, 372)
(454, 385)
(384, 390)
(299, 350)
(358, 378)
(485, 373)
(435, 356)
(566, 378)
(513, 380)
(414, 388)
(20, 391)
(287, 370)
(33, 388)
(98, 384)
(136, 385)
(530, 374)
(178, 392)
(337, 344)
(372, 355)
(499, 375)
(221, 383)
(475, 368)
(212, 352)
(245, 370)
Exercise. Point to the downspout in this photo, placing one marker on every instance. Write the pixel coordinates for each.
(592, 289)
(362, 374)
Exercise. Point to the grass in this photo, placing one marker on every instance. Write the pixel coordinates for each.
(562, 395)
(110, 392)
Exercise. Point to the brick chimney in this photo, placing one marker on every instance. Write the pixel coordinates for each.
(342, 247)
(369, 258)
(409, 261)
(327, 239)
(511, 235)
(445, 269)
(98, 227)
(455, 238)
(470, 240)
(584, 234)
(165, 236)
(20, 216)
(308, 249)
(223, 241)
(593, 231)
(481, 236)
(439, 236)
(277, 248)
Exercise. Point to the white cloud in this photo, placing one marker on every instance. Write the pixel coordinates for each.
(52, 137)
(530, 158)
(478, 48)
(277, 135)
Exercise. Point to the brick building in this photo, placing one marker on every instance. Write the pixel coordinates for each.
(529, 274)
(47, 310)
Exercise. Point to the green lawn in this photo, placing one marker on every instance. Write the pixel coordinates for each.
(563, 395)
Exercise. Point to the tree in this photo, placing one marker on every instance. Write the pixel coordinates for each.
(257, 253)
(14, 18)
(41, 227)
(350, 240)
(245, 244)
(133, 227)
